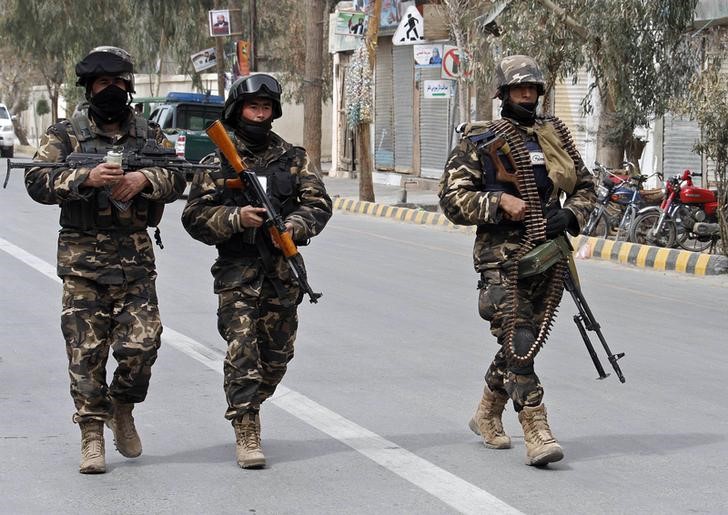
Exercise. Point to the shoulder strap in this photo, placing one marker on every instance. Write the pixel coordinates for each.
(61, 128)
(81, 127)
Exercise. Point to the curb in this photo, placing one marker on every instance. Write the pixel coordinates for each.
(656, 258)
(402, 214)
(621, 252)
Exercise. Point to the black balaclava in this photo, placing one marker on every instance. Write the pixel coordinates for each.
(255, 135)
(109, 105)
(524, 114)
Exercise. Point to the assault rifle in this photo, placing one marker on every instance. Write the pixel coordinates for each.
(248, 182)
(150, 155)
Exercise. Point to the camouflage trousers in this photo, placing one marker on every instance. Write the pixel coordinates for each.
(520, 382)
(260, 337)
(97, 318)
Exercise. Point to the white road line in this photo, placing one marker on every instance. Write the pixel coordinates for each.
(449, 488)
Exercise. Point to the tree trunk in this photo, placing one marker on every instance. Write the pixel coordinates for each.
(312, 81)
(53, 95)
(634, 150)
(20, 131)
(363, 133)
(609, 153)
(366, 165)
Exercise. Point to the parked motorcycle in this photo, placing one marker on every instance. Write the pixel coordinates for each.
(620, 192)
(686, 217)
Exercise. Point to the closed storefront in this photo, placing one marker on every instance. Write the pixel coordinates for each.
(403, 77)
(384, 136)
(435, 116)
(679, 136)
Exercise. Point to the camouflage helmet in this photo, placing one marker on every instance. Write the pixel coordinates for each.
(106, 60)
(259, 85)
(518, 69)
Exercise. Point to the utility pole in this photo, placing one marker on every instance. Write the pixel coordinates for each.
(251, 31)
(220, 60)
(363, 130)
(312, 83)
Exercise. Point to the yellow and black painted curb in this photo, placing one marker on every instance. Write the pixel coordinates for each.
(656, 258)
(643, 256)
(402, 214)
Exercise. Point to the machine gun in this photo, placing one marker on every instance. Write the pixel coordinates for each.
(255, 194)
(544, 257)
(585, 320)
(150, 155)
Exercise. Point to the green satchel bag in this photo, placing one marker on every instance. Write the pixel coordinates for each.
(543, 257)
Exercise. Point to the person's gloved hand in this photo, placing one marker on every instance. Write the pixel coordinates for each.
(559, 221)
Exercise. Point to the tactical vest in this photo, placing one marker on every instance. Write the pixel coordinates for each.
(98, 212)
(282, 189)
(491, 183)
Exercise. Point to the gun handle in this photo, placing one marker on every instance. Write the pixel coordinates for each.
(500, 171)
(284, 242)
(219, 136)
(234, 184)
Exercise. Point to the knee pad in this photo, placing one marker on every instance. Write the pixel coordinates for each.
(523, 339)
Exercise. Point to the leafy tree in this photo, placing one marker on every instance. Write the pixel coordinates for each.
(636, 51)
(706, 101)
(45, 31)
(15, 84)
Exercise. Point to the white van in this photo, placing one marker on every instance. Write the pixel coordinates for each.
(7, 133)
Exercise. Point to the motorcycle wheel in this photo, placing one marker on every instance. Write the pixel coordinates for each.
(598, 225)
(642, 231)
(625, 225)
(601, 228)
(689, 241)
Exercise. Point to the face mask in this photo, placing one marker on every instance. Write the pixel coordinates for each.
(524, 114)
(256, 135)
(110, 104)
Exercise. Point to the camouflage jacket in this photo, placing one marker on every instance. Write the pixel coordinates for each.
(465, 201)
(212, 214)
(118, 249)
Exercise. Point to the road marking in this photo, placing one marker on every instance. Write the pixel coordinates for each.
(449, 488)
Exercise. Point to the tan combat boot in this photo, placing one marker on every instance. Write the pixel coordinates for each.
(126, 437)
(247, 441)
(541, 446)
(93, 460)
(487, 420)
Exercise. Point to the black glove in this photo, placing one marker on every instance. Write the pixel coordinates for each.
(559, 221)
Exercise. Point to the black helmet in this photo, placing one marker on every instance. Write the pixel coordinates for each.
(259, 85)
(518, 69)
(106, 60)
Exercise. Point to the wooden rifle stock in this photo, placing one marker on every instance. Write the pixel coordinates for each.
(219, 136)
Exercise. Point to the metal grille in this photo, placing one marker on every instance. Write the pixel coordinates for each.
(403, 75)
(384, 108)
(434, 124)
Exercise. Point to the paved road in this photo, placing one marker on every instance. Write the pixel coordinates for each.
(373, 414)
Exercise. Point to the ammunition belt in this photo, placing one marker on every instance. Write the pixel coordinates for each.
(534, 234)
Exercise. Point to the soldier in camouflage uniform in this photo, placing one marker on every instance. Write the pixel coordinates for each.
(105, 255)
(258, 296)
(473, 193)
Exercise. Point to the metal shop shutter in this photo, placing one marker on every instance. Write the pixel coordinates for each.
(384, 108)
(403, 75)
(434, 123)
(567, 106)
(679, 136)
